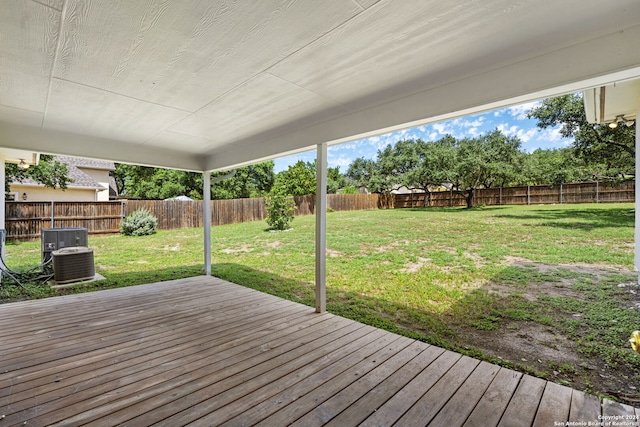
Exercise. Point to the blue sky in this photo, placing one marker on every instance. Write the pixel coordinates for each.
(511, 121)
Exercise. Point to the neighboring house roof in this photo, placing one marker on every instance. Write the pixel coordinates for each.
(78, 177)
(87, 163)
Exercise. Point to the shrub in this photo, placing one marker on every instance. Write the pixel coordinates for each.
(139, 223)
(280, 208)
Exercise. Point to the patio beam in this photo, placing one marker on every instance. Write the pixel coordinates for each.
(321, 228)
(206, 220)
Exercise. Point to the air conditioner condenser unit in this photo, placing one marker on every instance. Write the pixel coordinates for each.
(73, 264)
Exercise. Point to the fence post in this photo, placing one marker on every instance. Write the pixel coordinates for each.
(451, 196)
(528, 194)
(53, 218)
(560, 193)
(500, 196)
(597, 191)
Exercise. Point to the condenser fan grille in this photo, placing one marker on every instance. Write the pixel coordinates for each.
(73, 264)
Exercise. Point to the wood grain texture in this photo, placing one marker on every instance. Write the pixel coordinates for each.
(30, 34)
(209, 49)
(584, 407)
(554, 405)
(203, 351)
(493, 403)
(523, 405)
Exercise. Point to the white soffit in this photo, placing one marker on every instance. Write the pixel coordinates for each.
(203, 85)
(603, 104)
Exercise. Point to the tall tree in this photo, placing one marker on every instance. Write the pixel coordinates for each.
(612, 149)
(155, 183)
(298, 180)
(48, 172)
(335, 180)
(364, 173)
(556, 167)
(434, 159)
(249, 181)
(486, 161)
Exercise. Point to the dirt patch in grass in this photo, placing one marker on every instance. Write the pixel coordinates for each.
(414, 267)
(567, 347)
(245, 248)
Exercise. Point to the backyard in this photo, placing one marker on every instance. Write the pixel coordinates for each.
(549, 290)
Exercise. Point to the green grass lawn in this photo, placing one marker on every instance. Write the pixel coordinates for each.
(544, 289)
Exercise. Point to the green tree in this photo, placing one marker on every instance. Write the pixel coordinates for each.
(556, 167)
(156, 183)
(433, 161)
(610, 149)
(360, 172)
(492, 159)
(249, 181)
(297, 180)
(48, 172)
(335, 180)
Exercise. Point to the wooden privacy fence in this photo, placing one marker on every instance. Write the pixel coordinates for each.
(584, 192)
(25, 220)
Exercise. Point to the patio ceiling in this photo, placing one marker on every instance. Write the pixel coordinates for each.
(208, 85)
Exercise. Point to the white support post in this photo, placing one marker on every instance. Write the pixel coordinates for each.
(637, 211)
(206, 220)
(2, 205)
(321, 228)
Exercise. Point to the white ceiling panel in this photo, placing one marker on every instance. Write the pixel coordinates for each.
(184, 54)
(21, 117)
(28, 38)
(171, 140)
(261, 104)
(442, 42)
(105, 114)
(211, 84)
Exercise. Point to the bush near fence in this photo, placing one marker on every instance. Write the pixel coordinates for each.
(25, 220)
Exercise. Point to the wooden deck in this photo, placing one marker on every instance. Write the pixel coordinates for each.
(204, 352)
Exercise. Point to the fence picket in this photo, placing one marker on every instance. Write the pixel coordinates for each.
(25, 220)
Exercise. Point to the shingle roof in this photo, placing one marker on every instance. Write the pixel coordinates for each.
(87, 163)
(78, 177)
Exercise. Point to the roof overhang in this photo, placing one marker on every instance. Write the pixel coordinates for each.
(17, 156)
(213, 85)
(605, 104)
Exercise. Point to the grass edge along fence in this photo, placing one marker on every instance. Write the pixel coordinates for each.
(25, 220)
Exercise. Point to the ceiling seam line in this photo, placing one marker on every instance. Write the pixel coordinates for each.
(46, 5)
(122, 95)
(63, 13)
(319, 37)
(269, 67)
(305, 89)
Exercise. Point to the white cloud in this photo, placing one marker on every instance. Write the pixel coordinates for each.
(520, 111)
(474, 132)
(471, 123)
(441, 128)
(341, 161)
(523, 134)
(553, 135)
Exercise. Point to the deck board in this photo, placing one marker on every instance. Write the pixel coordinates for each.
(203, 352)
